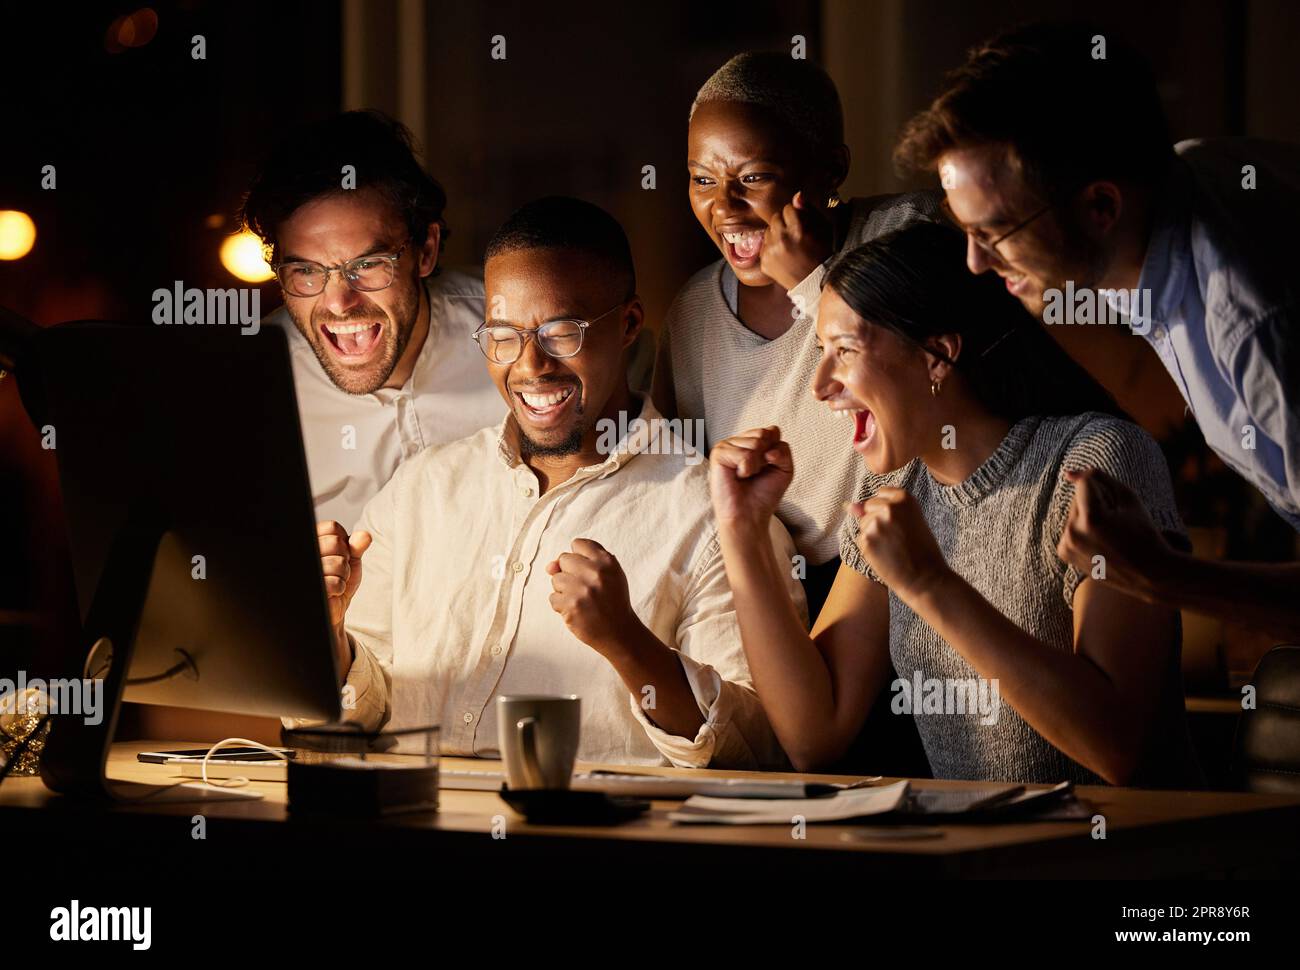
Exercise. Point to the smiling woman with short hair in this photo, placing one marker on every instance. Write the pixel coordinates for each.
(766, 157)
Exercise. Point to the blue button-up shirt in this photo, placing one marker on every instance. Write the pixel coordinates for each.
(1223, 310)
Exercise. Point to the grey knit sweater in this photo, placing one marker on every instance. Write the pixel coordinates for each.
(735, 379)
(998, 530)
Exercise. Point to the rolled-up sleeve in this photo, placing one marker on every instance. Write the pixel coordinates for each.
(735, 733)
(807, 293)
(1265, 369)
(369, 621)
(367, 689)
(369, 625)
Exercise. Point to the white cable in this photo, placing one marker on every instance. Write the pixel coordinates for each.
(238, 781)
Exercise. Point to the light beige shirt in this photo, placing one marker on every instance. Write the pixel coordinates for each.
(453, 608)
(354, 442)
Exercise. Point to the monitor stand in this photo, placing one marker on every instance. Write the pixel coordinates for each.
(75, 759)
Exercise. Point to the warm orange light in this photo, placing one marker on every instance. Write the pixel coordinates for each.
(241, 254)
(111, 43)
(138, 29)
(17, 234)
(131, 30)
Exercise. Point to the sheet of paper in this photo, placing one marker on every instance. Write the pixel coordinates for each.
(676, 786)
(851, 803)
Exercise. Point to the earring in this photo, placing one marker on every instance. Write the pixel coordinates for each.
(834, 200)
(934, 387)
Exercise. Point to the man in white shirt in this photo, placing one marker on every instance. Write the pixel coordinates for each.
(548, 555)
(378, 332)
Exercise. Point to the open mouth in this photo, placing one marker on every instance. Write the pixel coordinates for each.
(864, 429)
(353, 340)
(864, 424)
(1015, 283)
(743, 248)
(546, 407)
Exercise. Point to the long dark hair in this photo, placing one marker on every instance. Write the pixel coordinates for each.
(915, 282)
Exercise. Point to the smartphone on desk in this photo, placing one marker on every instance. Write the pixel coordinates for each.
(225, 754)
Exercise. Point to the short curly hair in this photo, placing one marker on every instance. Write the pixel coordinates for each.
(308, 164)
(1067, 116)
(562, 222)
(798, 93)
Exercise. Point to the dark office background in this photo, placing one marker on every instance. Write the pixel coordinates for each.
(153, 148)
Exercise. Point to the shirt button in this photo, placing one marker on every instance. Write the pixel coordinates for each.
(496, 651)
(518, 567)
(526, 491)
(468, 717)
(1159, 333)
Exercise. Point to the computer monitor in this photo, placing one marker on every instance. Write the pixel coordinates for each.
(191, 528)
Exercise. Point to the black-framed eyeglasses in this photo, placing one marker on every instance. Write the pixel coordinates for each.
(989, 246)
(365, 273)
(504, 344)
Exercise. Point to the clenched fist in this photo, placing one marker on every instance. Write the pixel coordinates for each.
(748, 474)
(592, 597)
(798, 240)
(340, 559)
(1108, 525)
(895, 539)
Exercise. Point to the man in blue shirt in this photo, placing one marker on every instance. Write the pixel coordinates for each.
(1052, 149)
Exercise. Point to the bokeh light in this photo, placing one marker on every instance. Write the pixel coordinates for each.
(17, 234)
(241, 254)
(131, 30)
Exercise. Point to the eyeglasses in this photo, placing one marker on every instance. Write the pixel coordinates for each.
(989, 246)
(503, 344)
(365, 273)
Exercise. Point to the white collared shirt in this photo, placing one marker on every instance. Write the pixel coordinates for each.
(453, 608)
(354, 442)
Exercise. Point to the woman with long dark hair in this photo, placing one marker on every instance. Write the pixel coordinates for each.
(972, 424)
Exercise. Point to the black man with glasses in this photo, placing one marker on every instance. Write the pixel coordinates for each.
(377, 329)
(529, 558)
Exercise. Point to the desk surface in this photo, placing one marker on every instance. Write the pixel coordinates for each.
(1147, 832)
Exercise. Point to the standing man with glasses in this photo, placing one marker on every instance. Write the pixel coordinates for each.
(377, 329)
(1051, 144)
(537, 557)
